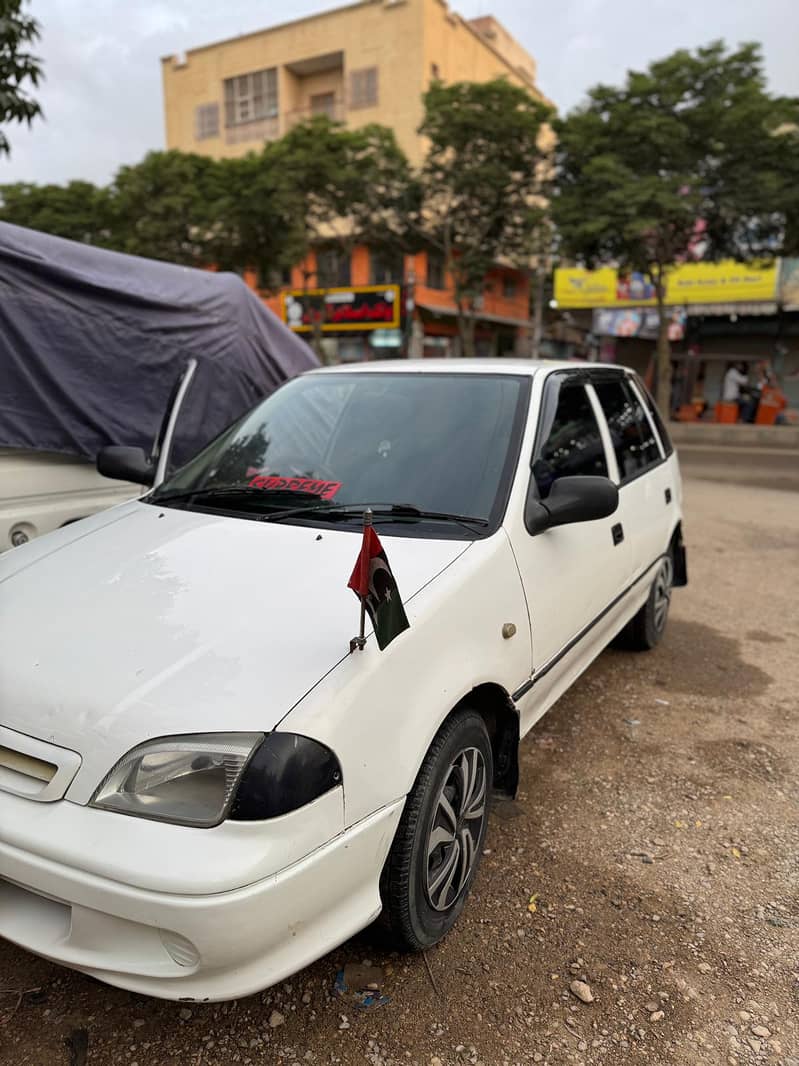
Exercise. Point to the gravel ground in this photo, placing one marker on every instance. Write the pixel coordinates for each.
(656, 827)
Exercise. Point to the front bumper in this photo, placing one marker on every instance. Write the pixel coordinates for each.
(216, 946)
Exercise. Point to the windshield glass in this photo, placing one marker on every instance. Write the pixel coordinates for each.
(445, 443)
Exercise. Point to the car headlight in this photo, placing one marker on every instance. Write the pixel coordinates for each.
(200, 780)
(188, 780)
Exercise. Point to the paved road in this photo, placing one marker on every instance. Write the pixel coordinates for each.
(657, 827)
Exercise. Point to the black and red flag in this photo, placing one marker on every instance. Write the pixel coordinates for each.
(374, 584)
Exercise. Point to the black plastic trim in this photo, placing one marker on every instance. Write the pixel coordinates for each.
(285, 772)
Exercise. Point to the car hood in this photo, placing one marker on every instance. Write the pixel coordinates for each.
(147, 621)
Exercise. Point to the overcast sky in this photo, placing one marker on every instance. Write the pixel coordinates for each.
(102, 96)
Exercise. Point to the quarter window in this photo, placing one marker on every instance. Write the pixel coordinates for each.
(654, 414)
(572, 444)
(630, 430)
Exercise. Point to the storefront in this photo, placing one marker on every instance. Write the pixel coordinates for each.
(351, 324)
(718, 313)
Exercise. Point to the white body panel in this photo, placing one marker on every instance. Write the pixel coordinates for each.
(146, 621)
(40, 492)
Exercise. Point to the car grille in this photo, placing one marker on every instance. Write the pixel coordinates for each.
(33, 768)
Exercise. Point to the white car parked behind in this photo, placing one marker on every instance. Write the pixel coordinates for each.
(202, 789)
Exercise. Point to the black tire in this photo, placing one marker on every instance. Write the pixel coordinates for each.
(418, 918)
(646, 628)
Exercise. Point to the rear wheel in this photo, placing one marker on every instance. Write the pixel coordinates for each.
(439, 842)
(647, 627)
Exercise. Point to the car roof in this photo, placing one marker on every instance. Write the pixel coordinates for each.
(528, 367)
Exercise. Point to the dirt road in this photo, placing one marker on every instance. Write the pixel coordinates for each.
(657, 828)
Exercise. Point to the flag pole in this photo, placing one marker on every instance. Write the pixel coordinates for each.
(359, 642)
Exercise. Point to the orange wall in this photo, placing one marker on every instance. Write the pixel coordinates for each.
(494, 300)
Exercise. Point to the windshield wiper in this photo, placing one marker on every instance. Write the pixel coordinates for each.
(231, 491)
(379, 512)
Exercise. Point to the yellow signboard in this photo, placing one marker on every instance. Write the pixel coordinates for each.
(698, 283)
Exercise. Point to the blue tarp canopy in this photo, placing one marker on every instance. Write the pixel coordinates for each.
(92, 342)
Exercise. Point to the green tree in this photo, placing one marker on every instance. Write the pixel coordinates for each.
(351, 187)
(17, 68)
(79, 210)
(484, 184)
(682, 161)
(166, 207)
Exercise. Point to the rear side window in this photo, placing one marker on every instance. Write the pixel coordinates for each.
(654, 414)
(571, 440)
(630, 430)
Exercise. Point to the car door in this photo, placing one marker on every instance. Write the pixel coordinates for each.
(572, 574)
(645, 494)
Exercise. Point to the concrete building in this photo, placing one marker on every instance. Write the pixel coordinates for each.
(366, 62)
(363, 63)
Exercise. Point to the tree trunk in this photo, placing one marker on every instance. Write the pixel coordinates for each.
(538, 312)
(662, 377)
(466, 329)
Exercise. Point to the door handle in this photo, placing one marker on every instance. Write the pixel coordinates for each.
(618, 533)
(668, 495)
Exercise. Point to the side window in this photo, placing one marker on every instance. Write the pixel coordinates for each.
(654, 414)
(571, 444)
(630, 430)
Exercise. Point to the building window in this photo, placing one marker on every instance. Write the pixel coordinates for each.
(435, 270)
(509, 287)
(435, 72)
(251, 97)
(332, 268)
(324, 104)
(363, 87)
(386, 268)
(206, 121)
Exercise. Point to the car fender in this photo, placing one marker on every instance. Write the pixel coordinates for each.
(379, 711)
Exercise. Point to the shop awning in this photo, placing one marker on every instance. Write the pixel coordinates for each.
(480, 316)
(715, 310)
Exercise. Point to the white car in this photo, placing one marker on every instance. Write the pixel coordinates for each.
(202, 787)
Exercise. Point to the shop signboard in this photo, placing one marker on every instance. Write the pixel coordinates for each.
(360, 307)
(789, 284)
(637, 322)
(688, 283)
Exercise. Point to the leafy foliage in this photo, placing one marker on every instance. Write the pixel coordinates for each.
(78, 211)
(683, 161)
(17, 67)
(483, 181)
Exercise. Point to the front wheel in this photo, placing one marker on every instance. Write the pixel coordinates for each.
(434, 858)
(646, 628)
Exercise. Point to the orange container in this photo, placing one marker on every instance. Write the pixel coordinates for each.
(726, 412)
(772, 401)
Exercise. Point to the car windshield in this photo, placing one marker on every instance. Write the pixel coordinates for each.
(442, 443)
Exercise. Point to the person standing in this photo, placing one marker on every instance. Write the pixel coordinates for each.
(735, 380)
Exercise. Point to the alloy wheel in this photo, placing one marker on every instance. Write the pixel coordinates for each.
(663, 586)
(456, 829)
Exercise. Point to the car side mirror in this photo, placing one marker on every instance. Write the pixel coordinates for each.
(125, 464)
(571, 499)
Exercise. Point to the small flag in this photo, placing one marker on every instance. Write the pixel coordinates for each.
(375, 586)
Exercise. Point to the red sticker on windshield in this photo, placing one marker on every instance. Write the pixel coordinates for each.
(325, 489)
